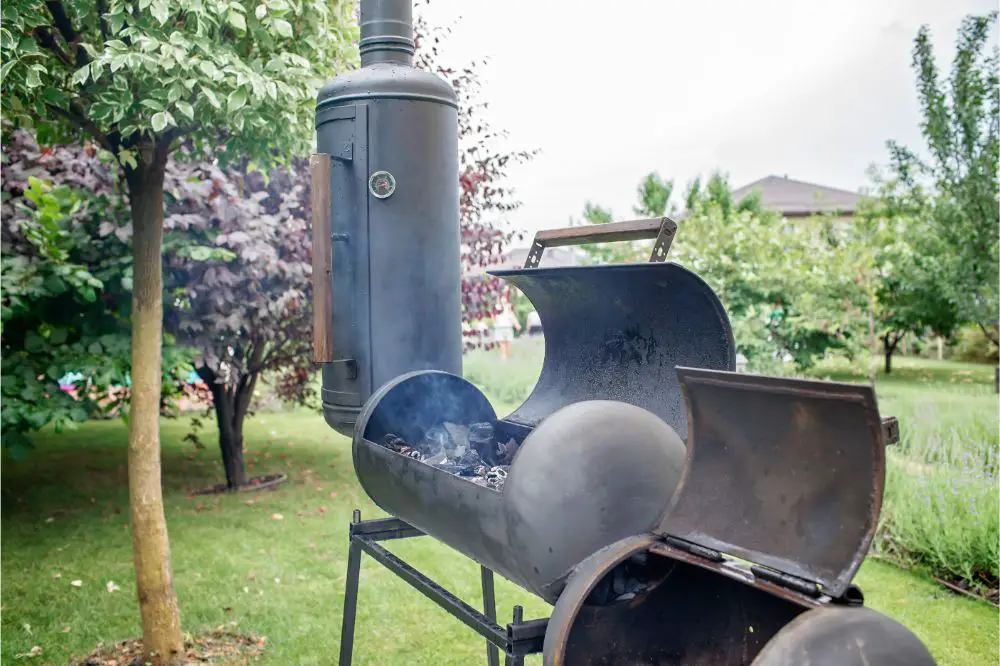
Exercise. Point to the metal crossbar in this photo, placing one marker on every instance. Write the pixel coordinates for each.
(519, 638)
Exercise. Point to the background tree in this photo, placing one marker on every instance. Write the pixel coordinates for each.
(238, 78)
(654, 197)
(238, 284)
(955, 190)
(485, 198)
(900, 284)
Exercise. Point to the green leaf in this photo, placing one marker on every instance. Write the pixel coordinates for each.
(57, 337)
(95, 349)
(282, 27)
(237, 99)
(32, 80)
(160, 9)
(213, 100)
(5, 69)
(81, 75)
(186, 109)
(175, 92)
(260, 12)
(33, 342)
(160, 121)
(238, 21)
(208, 68)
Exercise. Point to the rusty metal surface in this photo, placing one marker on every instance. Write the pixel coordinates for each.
(688, 616)
(617, 333)
(785, 473)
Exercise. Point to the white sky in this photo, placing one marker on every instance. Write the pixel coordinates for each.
(609, 91)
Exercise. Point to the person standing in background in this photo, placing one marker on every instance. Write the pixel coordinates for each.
(534, 323)
(504, 324)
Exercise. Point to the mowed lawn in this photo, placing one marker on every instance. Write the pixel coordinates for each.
(274, 562)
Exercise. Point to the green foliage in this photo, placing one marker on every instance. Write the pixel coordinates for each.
(245, 72)
(973, 345)
(956, 190)
(654, 196)
(65, 297)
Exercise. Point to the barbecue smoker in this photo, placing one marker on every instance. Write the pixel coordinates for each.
(672, 510)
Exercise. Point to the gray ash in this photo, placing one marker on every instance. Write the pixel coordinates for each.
(471, 451)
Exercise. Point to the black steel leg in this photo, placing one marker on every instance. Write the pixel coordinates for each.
(518, 619)
(490, 609)
(350, 599)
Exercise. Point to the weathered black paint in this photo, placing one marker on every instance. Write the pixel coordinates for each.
(396, 273)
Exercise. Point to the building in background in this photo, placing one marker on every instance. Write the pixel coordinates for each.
(798, 199)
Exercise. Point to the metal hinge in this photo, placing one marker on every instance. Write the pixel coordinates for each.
(694, 549)
(800, 585)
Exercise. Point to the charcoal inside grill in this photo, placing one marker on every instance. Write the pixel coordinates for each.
(627, 580)
(471, 451)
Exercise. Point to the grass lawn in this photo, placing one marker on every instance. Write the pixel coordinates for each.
(274, 562)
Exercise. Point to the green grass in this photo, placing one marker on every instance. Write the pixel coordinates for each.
(233, 562)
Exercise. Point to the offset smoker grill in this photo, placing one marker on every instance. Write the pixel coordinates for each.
(671, 510)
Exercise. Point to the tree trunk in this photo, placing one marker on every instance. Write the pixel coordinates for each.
(230, 437)
(231, 406)
(161, 622)
(888, 347)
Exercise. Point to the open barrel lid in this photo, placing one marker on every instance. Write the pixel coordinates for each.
(785, 473)
(618, 332)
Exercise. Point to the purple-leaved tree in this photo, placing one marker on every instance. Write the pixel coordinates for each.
(237, 270)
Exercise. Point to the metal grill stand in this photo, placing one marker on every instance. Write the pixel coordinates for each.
(518, 639)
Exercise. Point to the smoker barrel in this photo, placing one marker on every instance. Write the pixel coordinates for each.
(599, 440)
(391, 134)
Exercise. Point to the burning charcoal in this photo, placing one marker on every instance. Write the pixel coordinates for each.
(459, 436)
(410, 452)
(394, 442)
(436, 459)
(481, 440)
(437, 441)
(505, 452)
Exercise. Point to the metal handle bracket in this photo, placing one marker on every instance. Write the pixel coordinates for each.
(663, 229)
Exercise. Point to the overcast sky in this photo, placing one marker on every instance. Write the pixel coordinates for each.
(610, 90)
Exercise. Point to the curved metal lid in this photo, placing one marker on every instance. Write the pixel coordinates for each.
(617, 333)
(785, 473)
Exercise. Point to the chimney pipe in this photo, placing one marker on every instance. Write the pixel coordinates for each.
(386, 32)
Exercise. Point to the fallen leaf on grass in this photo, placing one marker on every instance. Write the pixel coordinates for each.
(249, 502)
(35, 651)
(321, 509)
(112, 587)
(67, 629)
(76, 583)
(50, 519)
(277, 516)
(57, 575)
(27, 627)
(251, 576)
(291, 443)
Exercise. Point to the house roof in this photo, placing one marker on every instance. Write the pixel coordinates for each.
(795, 198)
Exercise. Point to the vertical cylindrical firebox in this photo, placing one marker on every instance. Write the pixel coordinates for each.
(387, 138)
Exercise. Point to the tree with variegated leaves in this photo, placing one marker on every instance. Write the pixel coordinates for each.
(233, 79)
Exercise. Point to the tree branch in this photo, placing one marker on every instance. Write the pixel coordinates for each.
(102, 9)
(61, 20)
(46, 40)
(76, 117)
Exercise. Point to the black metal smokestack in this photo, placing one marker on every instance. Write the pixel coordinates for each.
(386, 32)
(386, 258)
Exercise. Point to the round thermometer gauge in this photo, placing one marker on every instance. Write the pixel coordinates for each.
(381, 184)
